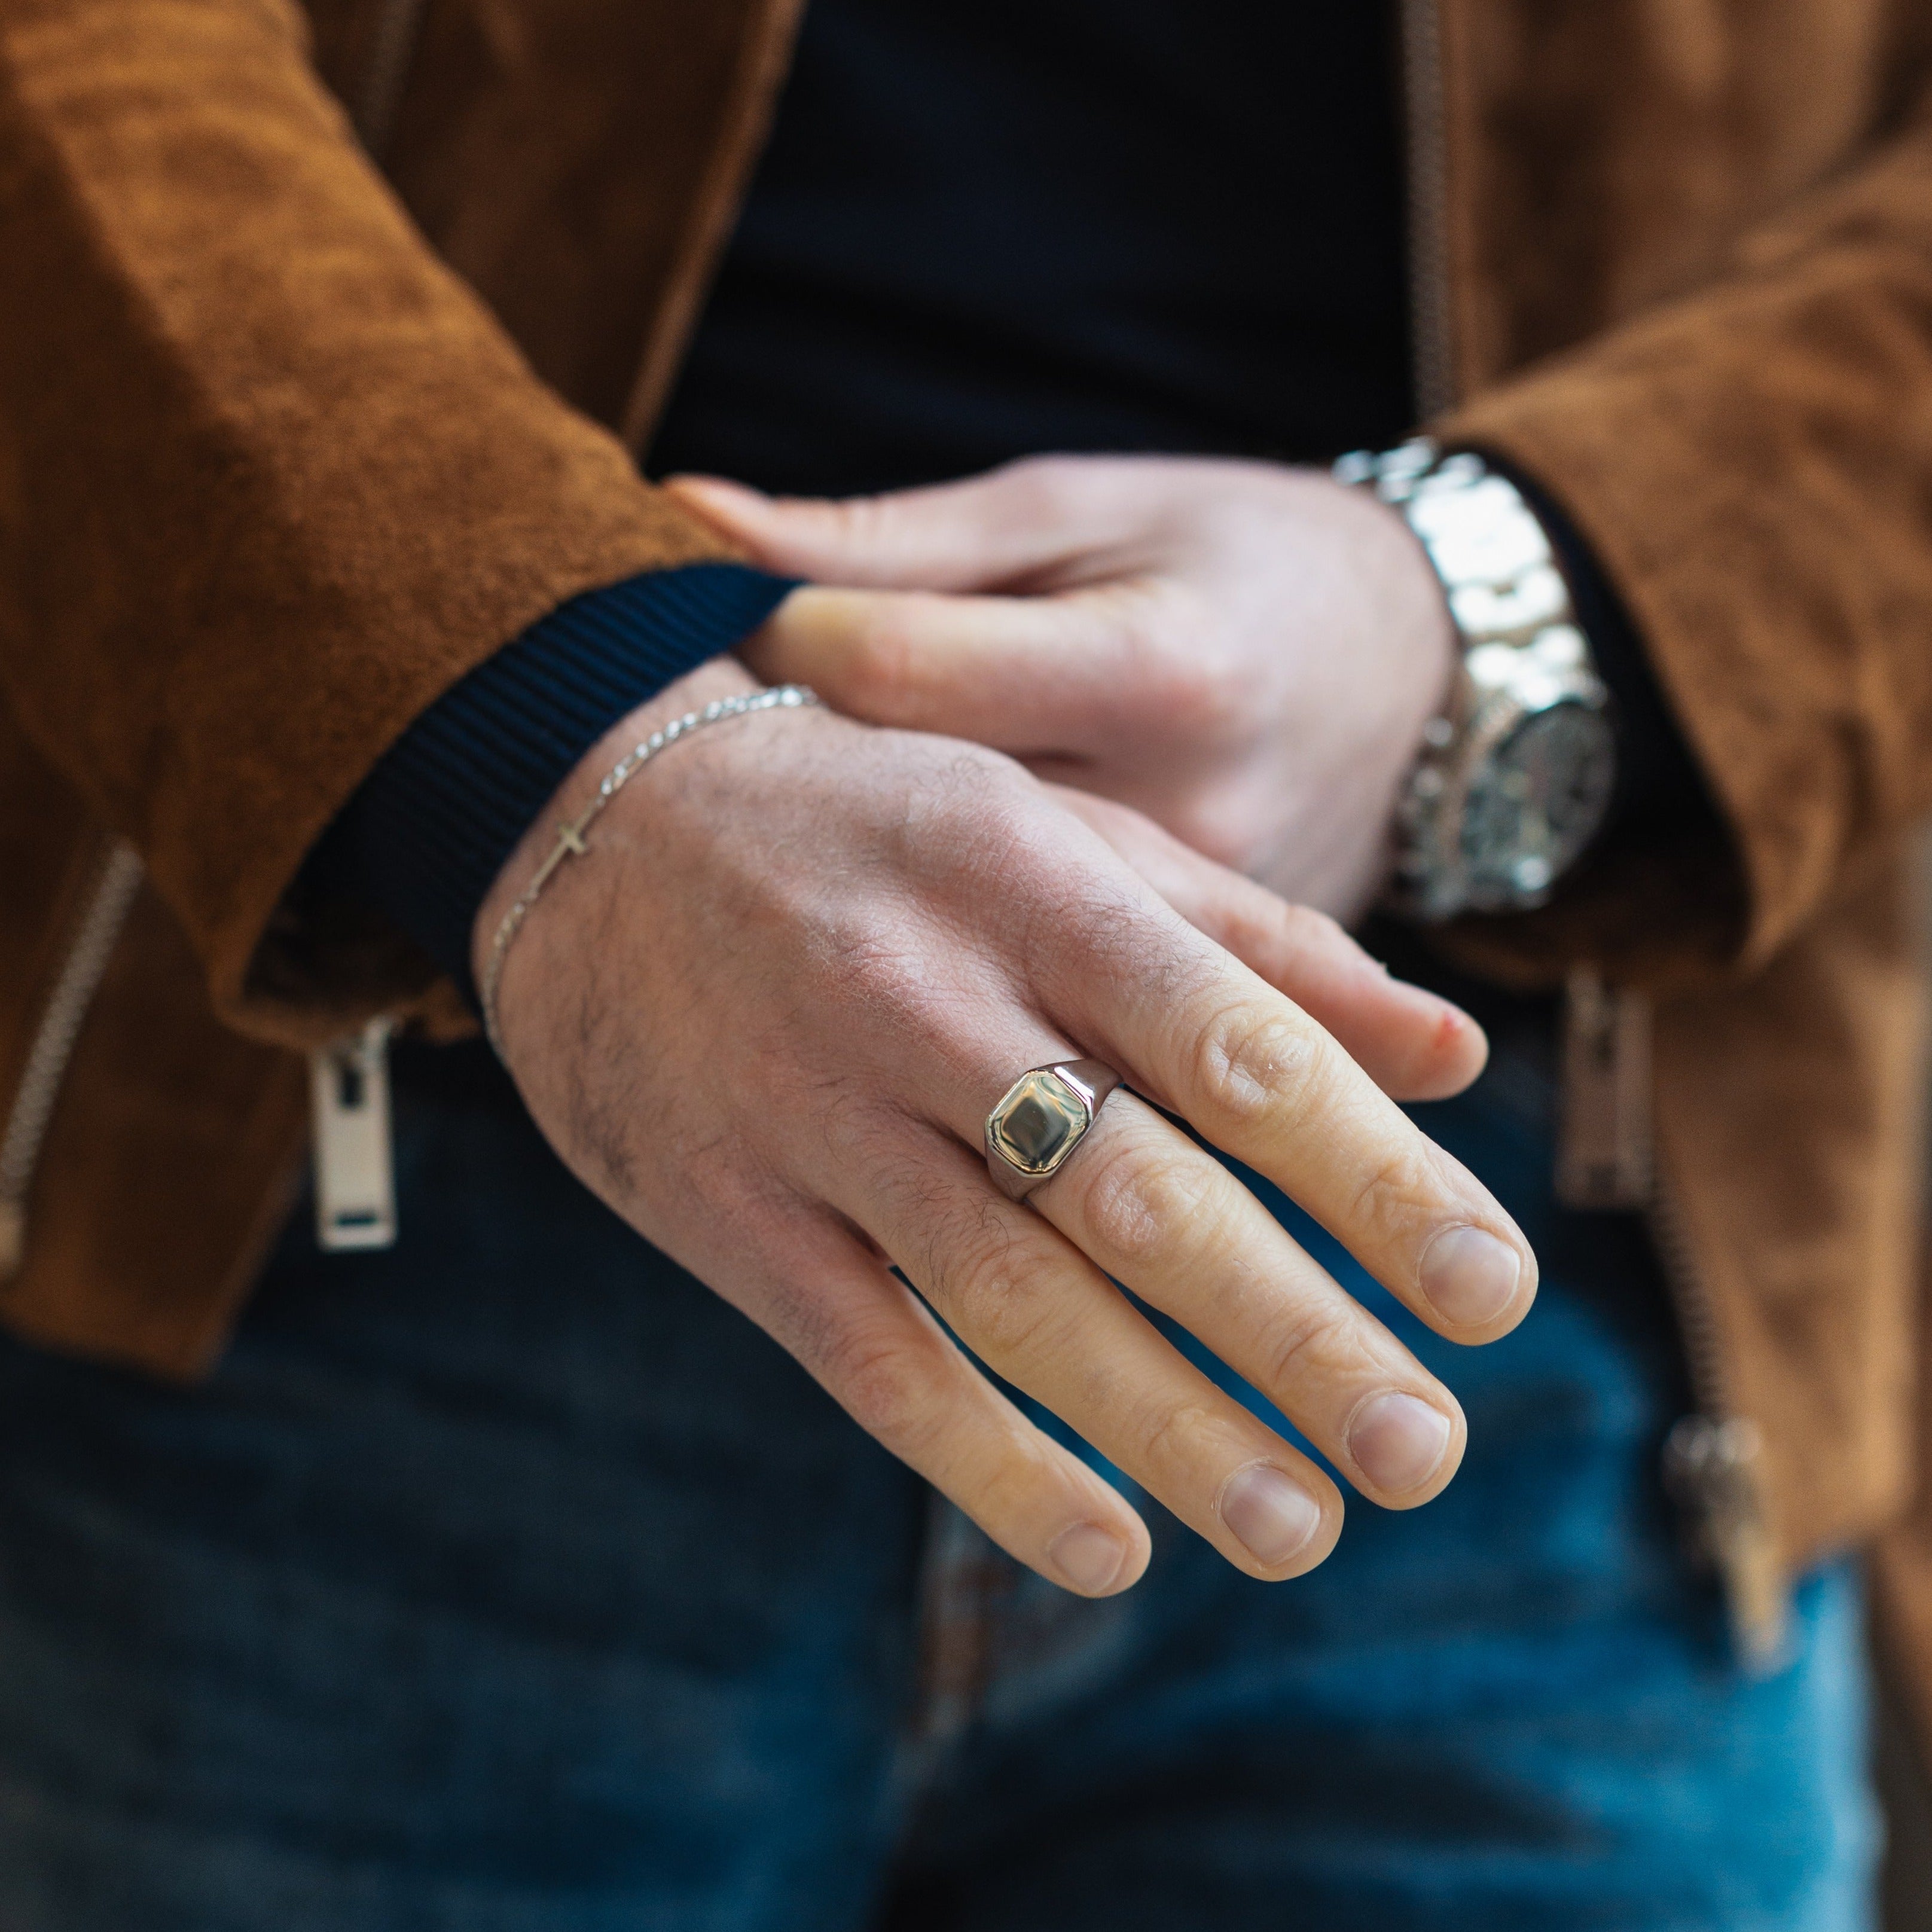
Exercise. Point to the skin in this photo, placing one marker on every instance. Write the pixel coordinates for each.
(765, 1017)
(1245, 652)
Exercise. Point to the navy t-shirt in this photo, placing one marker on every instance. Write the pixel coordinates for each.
(985, 228)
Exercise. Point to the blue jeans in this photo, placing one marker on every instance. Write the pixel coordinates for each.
(508, 1581)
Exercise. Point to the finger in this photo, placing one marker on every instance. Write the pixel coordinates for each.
(1415, 1045)
(1206, 1038)
(877, 1351)
(1035, 674)
(1168, 1221)
(995, 530)
(1039, 1313)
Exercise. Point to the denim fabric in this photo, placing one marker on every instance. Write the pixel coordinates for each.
(509, 1582)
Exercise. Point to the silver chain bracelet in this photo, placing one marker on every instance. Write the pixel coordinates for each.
(570, 836)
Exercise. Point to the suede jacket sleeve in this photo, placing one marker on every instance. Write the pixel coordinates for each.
(272, 478)
(1751, 465)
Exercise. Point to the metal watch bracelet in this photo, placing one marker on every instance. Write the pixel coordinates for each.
(1514, 776)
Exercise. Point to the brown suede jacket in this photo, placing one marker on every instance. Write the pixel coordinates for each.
(286, 448)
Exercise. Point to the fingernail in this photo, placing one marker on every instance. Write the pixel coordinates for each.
(1398, 1441)
(1273, 1515)
(1089, 1557)
(1469, 1277)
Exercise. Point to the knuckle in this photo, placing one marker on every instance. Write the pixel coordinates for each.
(1174, 1434)
(1192, 693)
(1199, 692)
(974, 816)
(863, 519)
(882, 1006)
(856, 527)
(1139, 1205)
(1282, 941)
(1318, 1343)
(879, 671)
(879, 1384)
(717, 1176)
(850, 1110)
(1250, 1060)
(1044, 489)
(1401, 1185)
(884, 972)
(1305, 930)
(993, 1298)
(1220, 826)
(964, 787)
(986, 784)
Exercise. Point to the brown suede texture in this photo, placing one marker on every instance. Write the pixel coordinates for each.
(284, 449)
(271, 476)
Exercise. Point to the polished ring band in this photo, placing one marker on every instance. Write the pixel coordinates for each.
(1041, 1118)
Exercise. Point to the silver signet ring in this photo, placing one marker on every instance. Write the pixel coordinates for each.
(1041, 1118)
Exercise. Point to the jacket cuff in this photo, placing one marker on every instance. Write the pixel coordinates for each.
(423, 839)
(1658, 899)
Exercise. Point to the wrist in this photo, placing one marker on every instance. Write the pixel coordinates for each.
(722, 677)
(1385, 663)
(1415, 608)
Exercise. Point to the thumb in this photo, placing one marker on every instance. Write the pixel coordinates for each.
(988, 533)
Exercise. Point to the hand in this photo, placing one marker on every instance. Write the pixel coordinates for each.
(1247, 653)
(765, 1017)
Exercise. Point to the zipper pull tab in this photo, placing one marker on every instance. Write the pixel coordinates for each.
(1711, 1468)
(1603, 1157)
(355, 1172)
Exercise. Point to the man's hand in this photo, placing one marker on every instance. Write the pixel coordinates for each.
(765, 1016)
(1247, 653)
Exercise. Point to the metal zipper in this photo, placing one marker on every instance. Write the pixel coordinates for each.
(1712, 1459)
(1606, 1161)
(1426, 104)
(355, 1166)
(99, 927)
(398, 29)
(1604, 1152)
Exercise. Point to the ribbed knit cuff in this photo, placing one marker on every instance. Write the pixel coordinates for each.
(424, 838)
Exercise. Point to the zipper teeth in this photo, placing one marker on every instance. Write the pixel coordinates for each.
(74, 987)
(1697, 1321)
(1428, 273)
(1725, 1495)
(397, 28)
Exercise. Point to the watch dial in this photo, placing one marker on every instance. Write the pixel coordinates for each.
(1535, 804)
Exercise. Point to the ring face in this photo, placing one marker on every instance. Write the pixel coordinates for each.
(1039, 1122)
(1043, 1117)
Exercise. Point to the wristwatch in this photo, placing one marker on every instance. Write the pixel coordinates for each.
(1514, 778)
